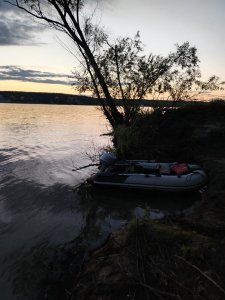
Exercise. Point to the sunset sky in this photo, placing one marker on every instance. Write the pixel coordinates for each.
(32, 57)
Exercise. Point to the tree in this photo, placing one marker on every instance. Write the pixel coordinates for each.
(110, 71)
(184, 83)
(131, 75)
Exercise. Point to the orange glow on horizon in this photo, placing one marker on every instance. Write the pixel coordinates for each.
(13, 85)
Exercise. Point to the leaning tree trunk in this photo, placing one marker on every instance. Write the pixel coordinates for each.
(115, 118)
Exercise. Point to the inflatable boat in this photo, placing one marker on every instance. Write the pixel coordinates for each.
(148, 174)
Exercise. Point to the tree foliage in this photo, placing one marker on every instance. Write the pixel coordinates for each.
(129, 73)
(183, 82)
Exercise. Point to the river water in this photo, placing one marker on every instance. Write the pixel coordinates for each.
(40, 212)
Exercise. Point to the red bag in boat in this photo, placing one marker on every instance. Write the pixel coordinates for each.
(180, 169)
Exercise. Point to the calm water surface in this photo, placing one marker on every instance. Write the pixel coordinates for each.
(39, 209)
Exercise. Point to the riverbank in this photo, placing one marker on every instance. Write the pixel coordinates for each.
(180, 257)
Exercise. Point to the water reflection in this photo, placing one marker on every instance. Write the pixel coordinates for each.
(33, 215)
(39, 146)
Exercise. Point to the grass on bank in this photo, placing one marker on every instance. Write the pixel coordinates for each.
(155, 260)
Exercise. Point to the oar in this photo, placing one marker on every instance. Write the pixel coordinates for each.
(84, 167)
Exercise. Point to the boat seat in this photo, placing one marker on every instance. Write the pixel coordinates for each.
(165, 170)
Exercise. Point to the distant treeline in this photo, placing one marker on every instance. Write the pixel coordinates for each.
(53, 98)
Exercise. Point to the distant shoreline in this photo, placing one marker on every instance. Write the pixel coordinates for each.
(66, 99)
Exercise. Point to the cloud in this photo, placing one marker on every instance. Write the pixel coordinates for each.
(4, 6)
(27, 75)
(17, 28)
(17, 32)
